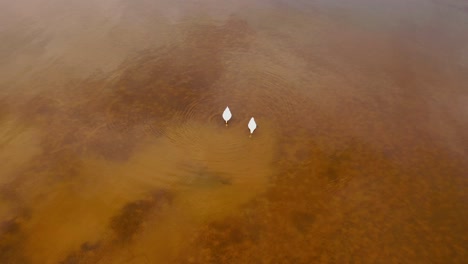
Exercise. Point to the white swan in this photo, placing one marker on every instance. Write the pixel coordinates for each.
(227, 115)
(252, 125)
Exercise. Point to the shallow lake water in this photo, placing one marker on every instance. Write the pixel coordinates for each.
(113, 148)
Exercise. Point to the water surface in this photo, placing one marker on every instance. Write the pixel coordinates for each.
(113, 149)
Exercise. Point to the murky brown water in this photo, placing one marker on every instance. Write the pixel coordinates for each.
(113, 149)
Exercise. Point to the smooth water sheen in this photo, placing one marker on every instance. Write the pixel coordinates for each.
(113, 148)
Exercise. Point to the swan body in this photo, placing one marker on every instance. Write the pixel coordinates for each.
(227, 115)
(252, 125)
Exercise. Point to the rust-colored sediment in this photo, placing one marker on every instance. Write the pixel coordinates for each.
(113, 149)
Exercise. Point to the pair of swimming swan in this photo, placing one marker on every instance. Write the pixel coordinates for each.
(227, 116)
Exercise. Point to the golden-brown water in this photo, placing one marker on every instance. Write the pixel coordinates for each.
(113, 149)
